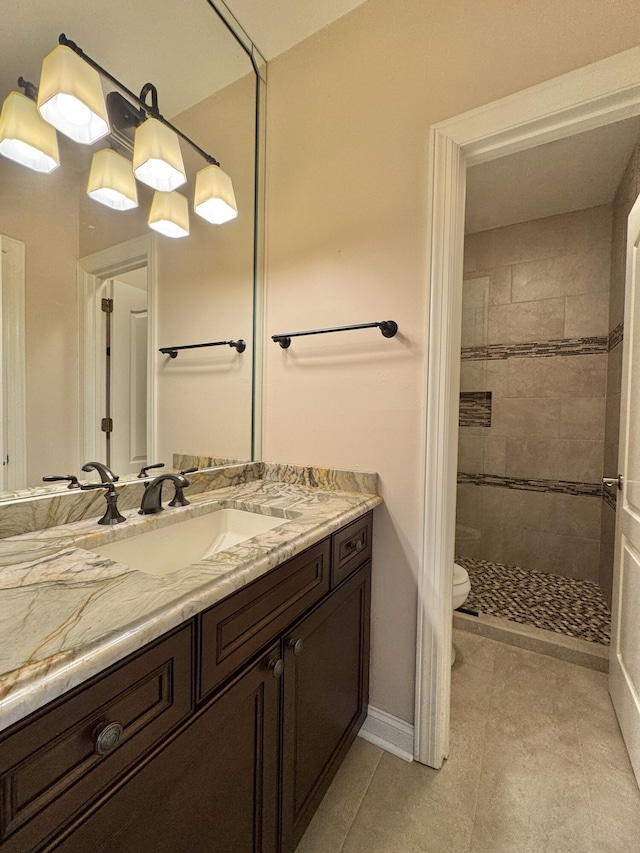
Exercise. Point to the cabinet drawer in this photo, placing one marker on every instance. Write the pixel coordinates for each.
(50, 767)
(236, 628)
(351, 547)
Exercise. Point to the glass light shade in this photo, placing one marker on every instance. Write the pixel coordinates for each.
(214, 198)
(70, 96)
(25, 136)
(157, 159)
(169, 214)
(111, 180)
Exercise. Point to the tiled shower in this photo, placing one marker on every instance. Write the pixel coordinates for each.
(539, 414)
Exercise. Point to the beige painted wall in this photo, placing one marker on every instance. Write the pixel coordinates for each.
(348, 117)
(42, 212)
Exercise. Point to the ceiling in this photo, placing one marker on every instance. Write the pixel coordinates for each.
(182, 47)
(575, 173)
(187, 56)
(276, 25)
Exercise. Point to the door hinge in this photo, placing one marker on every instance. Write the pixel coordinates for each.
(107, 306)
(106, 425)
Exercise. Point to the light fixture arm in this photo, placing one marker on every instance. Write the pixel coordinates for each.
(30, 89)
(151, 110)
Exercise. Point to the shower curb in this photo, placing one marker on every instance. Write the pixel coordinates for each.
(550, 643)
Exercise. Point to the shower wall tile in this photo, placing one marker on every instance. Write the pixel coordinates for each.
(470, 452)
(577, 376)
(469, 506)
(614, 370)
(525, 417)
(495, 454)
(524, 322)
(475, 308)
(557, 459)
(526, 241)
(568, 275)
(546, 552)
(587, 315)
(473, 376)
(582, 417)
(568, 515)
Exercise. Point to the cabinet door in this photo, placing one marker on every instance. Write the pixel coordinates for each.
(213, 788)
(326, 687)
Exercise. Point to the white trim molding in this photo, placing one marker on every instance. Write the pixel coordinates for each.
(388, 732)
(599, 94)
(13, 429)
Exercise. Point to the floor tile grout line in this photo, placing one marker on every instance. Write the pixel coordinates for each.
(366, 790)
(484, 748)
(585, 779)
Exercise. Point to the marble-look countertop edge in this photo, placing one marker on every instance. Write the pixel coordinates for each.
(28, 688)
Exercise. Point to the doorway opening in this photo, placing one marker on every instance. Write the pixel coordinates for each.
(117, 295)
(601, 94)
(541, 372)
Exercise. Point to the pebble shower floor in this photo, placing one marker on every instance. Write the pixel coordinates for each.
(566, 605)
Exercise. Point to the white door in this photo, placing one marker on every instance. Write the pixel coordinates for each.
(624, 667)
(128, 359)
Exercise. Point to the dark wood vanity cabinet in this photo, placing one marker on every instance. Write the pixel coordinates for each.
(212, 756)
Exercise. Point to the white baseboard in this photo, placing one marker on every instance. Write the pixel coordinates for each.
(389, 733)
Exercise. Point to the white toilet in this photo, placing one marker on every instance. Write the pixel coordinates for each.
(461, 589)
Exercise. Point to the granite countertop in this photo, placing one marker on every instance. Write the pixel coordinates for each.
(67, 614)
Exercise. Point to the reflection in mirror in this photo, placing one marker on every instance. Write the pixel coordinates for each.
(89, 293)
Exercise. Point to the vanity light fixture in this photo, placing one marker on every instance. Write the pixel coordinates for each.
(157, 159)
(25, 137)
(214, 198)
(111, 180)
(70, 96)
(71, 100)
(169, 214)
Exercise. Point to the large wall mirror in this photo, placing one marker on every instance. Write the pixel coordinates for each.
(81, 383)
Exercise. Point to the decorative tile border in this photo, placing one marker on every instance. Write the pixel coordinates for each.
(538, 349)
(475, 409)
(610, 497)
(615, 336)
(559, 487)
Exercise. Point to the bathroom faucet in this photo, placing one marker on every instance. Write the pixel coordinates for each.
(112, 513)
(106, 474)
(152, 497)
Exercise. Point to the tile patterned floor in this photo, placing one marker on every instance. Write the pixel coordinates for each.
(537, 765)
(567, 605)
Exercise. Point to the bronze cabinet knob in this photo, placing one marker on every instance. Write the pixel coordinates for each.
(276, 667)
(107, 736)
(296, 646)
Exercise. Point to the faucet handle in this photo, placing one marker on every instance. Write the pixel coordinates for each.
(53, 478)
(112, 513)
(187, 471)
(145, 468)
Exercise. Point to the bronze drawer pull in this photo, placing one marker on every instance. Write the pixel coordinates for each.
(296, 646)
(107, 737)
(276, 667)
(357, 546)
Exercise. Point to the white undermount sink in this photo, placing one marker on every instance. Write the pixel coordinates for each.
(167, 549)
